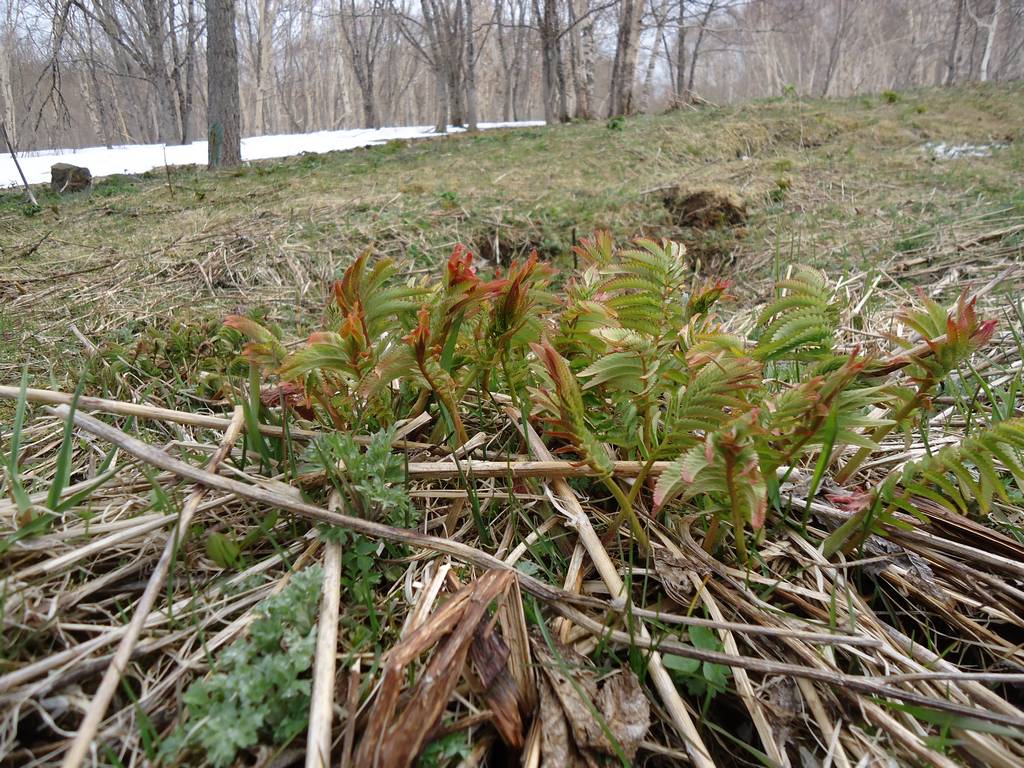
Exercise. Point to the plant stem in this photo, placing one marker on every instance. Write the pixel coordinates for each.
(838, 538)
(641, 478)
(737, 517)
(626, 509)
(711, 537)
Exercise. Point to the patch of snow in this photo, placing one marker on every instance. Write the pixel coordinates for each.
(956, 151)
(139, 158)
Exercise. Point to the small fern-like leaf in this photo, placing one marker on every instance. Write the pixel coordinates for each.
(726, 470)
(801, 323)
(645, 286)
(716, 394)
(562, 405)
(975, 469)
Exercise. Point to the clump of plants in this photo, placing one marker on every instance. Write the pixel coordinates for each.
(635, 360)
(258, 689)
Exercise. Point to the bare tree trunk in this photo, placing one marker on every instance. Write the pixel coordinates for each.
(555, 83)
(585, 103)
(363, 32)
(954, 45)
(844, 13)
(562, 82)
(471, 106)
(264, 53)
(705, 20)
(660, 18)
(6, 75)
(510, 33)
(990, 38)
(505, 58)
(681, 54)
(521, 62)
(450, 25)
(93, 95)
(223, 110)
(624, 65)
(182, 66)
(439, 61)
(582, 106)
(190, 73)
(547, 17)
(166, 111)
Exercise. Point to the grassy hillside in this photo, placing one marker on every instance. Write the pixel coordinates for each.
(847, 185)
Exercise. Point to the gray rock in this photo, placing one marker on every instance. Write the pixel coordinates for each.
(65, 177)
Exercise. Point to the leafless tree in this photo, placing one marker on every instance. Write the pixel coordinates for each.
(954, 44)
(79, 72)
(223, 108)
(620, 101)
(362, 25)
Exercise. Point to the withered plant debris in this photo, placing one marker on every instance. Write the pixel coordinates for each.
(584, 519)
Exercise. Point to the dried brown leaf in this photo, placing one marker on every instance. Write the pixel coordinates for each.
(557, 746)
(609, 719)
(626, 710)
(394, 741)
(489, 655)
(674, 574)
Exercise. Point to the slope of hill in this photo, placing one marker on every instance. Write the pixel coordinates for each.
(848, 185)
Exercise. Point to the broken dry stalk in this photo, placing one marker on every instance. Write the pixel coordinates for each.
(101, 700)
(573, 510)
(321, 704)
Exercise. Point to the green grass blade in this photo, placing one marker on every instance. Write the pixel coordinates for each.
(62, 475)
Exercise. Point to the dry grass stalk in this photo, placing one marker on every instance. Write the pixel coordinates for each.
(82, 742)
(559, 600)
(577, 517)
(158, 458)
(393, 740)
(143, 411)
(321, 705)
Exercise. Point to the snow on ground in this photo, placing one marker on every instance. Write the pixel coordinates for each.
(955, 151)
(139, 158)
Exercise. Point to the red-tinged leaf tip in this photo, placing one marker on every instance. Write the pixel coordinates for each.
(243, 324)
(759, 513)
(421, 333)
(460, 267)
(856, 501)
(319, 337)
(985, 332)
(249, 328)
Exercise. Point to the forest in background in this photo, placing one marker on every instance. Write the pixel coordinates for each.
(90, 72)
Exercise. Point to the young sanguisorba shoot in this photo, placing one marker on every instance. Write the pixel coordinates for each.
(633, 359)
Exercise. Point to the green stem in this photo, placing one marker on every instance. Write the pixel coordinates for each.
(738, 531)
(626, 510)
(838, 538)
(641, 478)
